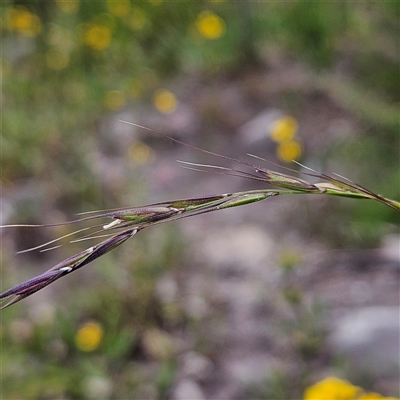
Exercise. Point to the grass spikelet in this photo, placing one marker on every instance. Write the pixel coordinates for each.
(65, 267)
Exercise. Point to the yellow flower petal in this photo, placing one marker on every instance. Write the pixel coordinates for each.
(284, 129)
(21, 20)
(89, 336)
(210, 25)
(165, 101)
(97, 36)
(289, 150)
(331, 389)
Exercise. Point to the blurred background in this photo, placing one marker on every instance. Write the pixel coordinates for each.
(255, 302)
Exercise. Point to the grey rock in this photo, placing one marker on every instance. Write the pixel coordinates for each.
(369, 339)
(195, 365)
(250, 370)
(188, 389)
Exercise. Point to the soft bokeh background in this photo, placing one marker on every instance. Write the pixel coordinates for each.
(255, 302)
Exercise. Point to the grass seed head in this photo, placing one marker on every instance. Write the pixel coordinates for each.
(286, 181)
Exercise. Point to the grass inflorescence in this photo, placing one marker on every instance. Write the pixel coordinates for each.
(119, 225)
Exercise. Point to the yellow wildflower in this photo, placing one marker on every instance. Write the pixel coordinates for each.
(68, 6)
(114, 100)
(21, 20)
(97, 36)
(165, 101)
(89, 336)
(210, 25)
(119, 7)
(331, 389)
(289, 150)
(284, 129)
